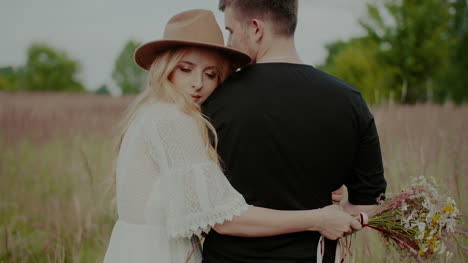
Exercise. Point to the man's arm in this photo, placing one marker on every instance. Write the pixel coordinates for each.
(367, 183)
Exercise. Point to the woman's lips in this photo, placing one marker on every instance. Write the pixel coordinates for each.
(196, 97)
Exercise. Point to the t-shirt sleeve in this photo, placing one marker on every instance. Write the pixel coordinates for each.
(367, 183)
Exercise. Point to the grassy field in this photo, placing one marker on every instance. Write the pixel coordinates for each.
(56, 187)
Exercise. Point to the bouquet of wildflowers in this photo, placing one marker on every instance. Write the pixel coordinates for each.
(419, 220)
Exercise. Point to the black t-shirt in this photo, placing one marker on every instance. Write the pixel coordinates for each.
(289, 135)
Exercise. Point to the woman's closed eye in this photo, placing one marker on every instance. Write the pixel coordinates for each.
(211, 75)
(185, 69)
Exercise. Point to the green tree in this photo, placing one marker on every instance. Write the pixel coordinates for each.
(4, 83)
(102, 90)
(50, 69)
(452, 82)
(415, 41)
(8, 79)
(356, 62)
(127, 75)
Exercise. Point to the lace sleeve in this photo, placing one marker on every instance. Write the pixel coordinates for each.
(198, 194)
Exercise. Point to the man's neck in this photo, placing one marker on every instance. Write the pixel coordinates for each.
(281, 50)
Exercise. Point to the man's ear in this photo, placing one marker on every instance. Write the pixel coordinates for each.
(257, 28)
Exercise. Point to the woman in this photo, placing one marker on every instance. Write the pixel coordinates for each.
(170, 188)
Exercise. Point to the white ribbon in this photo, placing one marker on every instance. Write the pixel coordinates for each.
(364, 218)
(321, 251)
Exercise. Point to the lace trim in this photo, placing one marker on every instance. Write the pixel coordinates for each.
(198, 224)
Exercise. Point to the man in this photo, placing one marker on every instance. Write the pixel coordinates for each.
(289, 134)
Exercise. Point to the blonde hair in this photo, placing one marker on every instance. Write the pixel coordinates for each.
(160, 88)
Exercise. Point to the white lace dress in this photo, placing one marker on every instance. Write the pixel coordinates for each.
(167, 190)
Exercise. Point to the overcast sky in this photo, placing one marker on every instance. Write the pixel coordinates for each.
(95, 31)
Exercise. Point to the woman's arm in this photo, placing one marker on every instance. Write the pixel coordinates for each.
(331, 221)
(196, 205)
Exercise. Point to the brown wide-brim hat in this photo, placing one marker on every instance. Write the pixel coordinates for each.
(190, 28)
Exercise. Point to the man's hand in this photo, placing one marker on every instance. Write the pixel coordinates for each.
(356, 209)
(338, 195)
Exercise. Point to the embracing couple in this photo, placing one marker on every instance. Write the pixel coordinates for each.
(242, 144)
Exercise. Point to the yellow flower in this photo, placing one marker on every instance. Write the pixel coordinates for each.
(448, 209)
(433, 244)
(435, 218)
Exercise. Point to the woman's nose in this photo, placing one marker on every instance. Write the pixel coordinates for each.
(197, 87)
(197, 83)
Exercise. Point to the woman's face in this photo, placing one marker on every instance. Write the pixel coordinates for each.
(197, 73)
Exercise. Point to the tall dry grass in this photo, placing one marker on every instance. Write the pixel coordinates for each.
(44, 116)
(55, 169)
(430, 140)
(56, 184)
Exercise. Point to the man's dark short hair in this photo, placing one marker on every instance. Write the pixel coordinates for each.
(281, 13)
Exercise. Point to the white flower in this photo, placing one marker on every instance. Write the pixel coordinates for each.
(421, 226)
(420, 237)
(440, 249)
(404, 206)
(450, 224)
(407, 224)
(424, 247)
(429, 217)
(427, 202)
